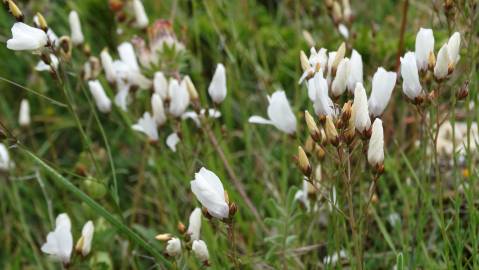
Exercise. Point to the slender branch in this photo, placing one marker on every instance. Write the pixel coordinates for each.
(401, 35)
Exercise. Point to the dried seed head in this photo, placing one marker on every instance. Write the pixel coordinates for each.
(303, 162)
(42, 23)
(304, 61)
(312, 127)
(331, 132)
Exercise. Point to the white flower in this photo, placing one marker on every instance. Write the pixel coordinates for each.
(42, 66)
(194, 227)
(333, 259)
(172, 140)
(424, 47)
(25, 37)
(173, 247)
(208, 189)
(128, 56)
(343, 30)
(383, 85)
(84, 243)
(140, 14)
(158, 109)
(217, 88)
(318, 60)
(5, 162)
(24, 115)
(200, 250)
(360, 109)
(60, 241)
(355, 71)
(179, 97)
(441, 69)
(279, 112)
(410, 76)
(212, 113)
(318, 94)
(75, 28)
(107, 63)
(453, 46)
(302, 195)
(52, 37)
(341, 80)
(101, 99)
(121, 97)
(160, 84)
(147, 125)
(376, 144)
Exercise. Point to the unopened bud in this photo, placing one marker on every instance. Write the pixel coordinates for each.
(331, 132)
(65, 45)
(87, 49)
(336, 13)
(448, 5)
(233, 209)
(312, 127)
(329, 3)
(319, 151)
(163, 237)
(42, 23)
(79, 245)
(338, 57)
(181, 227)
(463, 91)
(303, 162)
(15, 11)
(191, 88)
(309, 145)
(304, 61)
(95, 66)
(431, 61)
(346, 111)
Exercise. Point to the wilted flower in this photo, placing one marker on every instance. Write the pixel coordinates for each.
(75, 28)
(5, 162)
(179, 97)
(376, 144)
(24, 115)
(279, 112)
(101, 99)
(84, 243)
(424, 48)
(355, 74)
(201, 251)
(158, 109)
(107, 63)
(25, 37)
(194, 227)
(410, 76)
(360, 109)
(172, 140)
(341, 80)
(60, 241)
(208, 189)
(147, 125)
(383, 85)
(160, 84)
(140, 14)
(217, 88)
(441, 69)
(173, 247)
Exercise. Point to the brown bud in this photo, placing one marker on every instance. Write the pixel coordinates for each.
(42, 23)
(346, 111)
(319, 151)
(329, 3)
(303, 162)
(463, 91)
(95, 66)
(331, 132)
(374, 199)
(233, 209)
(65, 45)
(309, 145)
(312, 127)
(181, 227)
(115, 5)
(379, 168)
(431, 61)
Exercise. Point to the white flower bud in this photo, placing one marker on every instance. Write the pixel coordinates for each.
(75, 28)
(24, 115)
(128, 56)
(360, 109)
(140, 14)
(279, 112)
(172, 140)
(158, 109)
(147, 125)
(453, 46)
(25, 37)
(442, 63)
(217, 88)
(107, 63)
(180, 99)
(355, 71)
(42, 66)
(201, 250)
(160, 84)
(341, 80)
(410, 76)
(5, 162)
(383, 86)
(194, 227)
(209, 190)
(84, 243)
(173, 247)
(376, 144)
(101, 99)
(424, 47)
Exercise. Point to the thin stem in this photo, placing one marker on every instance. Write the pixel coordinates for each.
(401, 35)
(141, 181)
